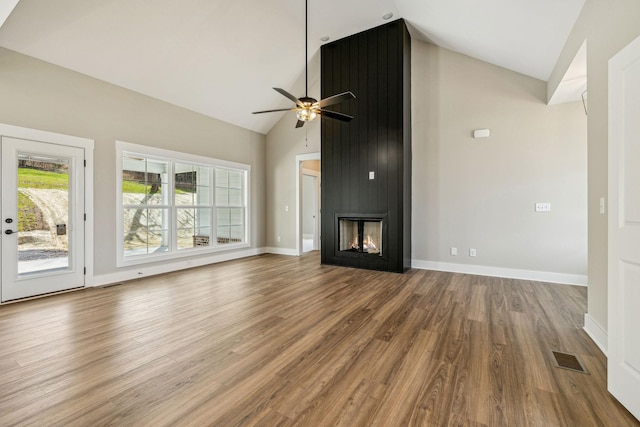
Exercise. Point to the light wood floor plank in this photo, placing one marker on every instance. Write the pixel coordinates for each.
(284, 341)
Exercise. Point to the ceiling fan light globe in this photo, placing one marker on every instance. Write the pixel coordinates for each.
(306, 115)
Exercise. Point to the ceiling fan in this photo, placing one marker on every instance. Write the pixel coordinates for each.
(308, 108)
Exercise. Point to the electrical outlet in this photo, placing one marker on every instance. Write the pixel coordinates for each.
(602, 206)
(472, 252)
(278, 239)
(454, 251)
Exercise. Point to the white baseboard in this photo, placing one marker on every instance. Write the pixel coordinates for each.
(596, 333)
(142, 271)
(510, 273)
(282, 251)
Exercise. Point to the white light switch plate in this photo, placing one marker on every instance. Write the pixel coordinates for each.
(372, 175)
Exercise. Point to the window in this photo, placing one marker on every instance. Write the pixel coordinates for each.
(194, 205)
(174, 204)
(230, 206)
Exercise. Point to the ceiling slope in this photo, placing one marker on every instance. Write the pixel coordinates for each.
(222, 58)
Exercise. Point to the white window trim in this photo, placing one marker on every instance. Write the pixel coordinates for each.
(174, 156)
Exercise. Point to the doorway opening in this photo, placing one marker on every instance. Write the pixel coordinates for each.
(308, 232)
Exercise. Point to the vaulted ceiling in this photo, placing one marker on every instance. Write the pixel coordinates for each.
(221, 58)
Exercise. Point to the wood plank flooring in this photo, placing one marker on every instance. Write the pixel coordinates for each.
(285, 341)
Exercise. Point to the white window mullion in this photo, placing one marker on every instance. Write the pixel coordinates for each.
(214, 203)
(173, 226)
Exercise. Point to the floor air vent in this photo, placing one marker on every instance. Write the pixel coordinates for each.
(568, 361)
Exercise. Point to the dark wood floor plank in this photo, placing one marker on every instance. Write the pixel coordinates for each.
(284, 341)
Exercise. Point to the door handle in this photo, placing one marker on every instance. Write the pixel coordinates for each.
(9, 232)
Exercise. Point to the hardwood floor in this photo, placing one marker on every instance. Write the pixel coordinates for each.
(283, 341)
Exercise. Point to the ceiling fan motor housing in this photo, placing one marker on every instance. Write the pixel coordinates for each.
(307, 101)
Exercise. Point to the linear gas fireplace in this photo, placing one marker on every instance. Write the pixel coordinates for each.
(362, 235)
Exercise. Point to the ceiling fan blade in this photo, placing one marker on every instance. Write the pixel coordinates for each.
(273, 111)
(337, 116)
(299, 124)
(288, 95)
(335, 99)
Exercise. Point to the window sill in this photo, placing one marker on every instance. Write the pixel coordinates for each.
(184, 253)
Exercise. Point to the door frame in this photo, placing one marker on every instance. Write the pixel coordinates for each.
(299, 159)
(70, 141)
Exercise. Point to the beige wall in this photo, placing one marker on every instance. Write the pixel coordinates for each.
(42, 96)
(608, 26)
(466, 192)
(480, 193)
(284, 143)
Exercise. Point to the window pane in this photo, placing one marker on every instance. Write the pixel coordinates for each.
(137, 245)
(236, 216)
(222, 216)
(154, 190)
(194, 238)
(222, 178)
(156, 183)
(157, 219)
(144, 181)
(158, 241)
(145, 230)
(185, 184)
(222, 196)
(193, 219)
(236, 179)
(202, 196)
(133, 180)
(145, 242)
(192, 185)
(237, 234)
(230, 225)
(43, 206)
(235, 197)
(223, 235)
(202, 177)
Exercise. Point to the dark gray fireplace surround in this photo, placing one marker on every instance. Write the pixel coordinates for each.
(366, 164)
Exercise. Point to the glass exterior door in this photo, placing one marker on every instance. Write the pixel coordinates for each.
(42, 218)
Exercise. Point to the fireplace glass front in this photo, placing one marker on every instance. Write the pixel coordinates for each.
(360, 235)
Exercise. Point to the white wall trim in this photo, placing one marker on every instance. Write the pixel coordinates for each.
(282, 251)
(89, 224)
(510, 273)
(144, 271)
(596, 332)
